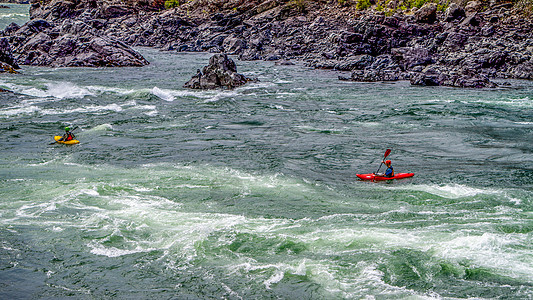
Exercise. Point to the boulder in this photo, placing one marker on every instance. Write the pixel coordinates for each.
(6, 55)
(220, 73)
(71, 43)
(233, 45)
(427, 13)
(409, 57)
(53, 11)
(377, 75)
(473, 7)
(432, 77)
(358, 62)
(472, 20)
(6, 68)
(454, 12)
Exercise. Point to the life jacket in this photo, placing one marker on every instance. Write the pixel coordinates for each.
(69, 137)
(389, 172)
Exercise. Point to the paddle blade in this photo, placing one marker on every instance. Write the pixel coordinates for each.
(387, 152)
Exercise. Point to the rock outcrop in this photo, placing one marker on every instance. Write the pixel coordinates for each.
(64, 34)
(72, 43)
(461, 43)
(467, 45)
(7, 61)
(220, 73)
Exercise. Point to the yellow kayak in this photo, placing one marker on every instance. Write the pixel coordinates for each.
(71, 142)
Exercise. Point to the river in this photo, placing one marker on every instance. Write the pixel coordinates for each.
(251, 193)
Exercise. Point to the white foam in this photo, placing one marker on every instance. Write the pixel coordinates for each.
(13, 15)
(64, 90)
(492, 251)
(449, 191)
(18, 110)
(277, 277)
(86, 109)
(105, 89)
(102, 127)
(163, 94)
(98, 249)
(90, 192)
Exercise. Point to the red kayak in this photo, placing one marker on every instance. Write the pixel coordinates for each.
(375, 177)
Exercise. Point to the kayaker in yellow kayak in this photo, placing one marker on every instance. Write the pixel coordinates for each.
(68, 136)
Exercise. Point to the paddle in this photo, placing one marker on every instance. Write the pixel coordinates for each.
(387, 152)
(75, 127)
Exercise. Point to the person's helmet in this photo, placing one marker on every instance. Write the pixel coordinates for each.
(388, 162)
(67, 128)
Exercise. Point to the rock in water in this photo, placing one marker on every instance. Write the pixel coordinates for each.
(72, 43)
(221, 72)
(6, 55)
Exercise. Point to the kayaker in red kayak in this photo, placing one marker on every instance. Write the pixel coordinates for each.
(389, 173)
(390, 170)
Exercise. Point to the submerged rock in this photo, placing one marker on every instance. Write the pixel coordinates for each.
(221, 72)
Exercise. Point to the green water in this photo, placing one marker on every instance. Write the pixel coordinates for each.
(252, 194)
(16, 13)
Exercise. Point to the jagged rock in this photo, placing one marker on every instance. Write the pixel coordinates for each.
(358, 62)
(53, 11)
(6, 68)
(427, 13)
(473, 20)
(432, 77)
(376, 75)
(6, 55)
(466, 41)
(71, 43)
(221, 72)
(10, 29)
(473, 7)
(409, 57)
(233, 45)
(454, 12)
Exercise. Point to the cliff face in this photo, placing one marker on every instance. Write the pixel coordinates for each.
(465, 45)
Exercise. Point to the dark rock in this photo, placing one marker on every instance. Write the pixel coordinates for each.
(431, 77)
(6, 55)
(473, 7)
(385, 62)
(233, 45)
(358, 62)
(454, 12)
(472, 20)
(71, 43)
(115, 11)
(38, 25)
(491, 41)
(376, 75)
(221, 72)
(7, 68)
(55, 10)
(455, 40)
(11, 28)
(427, 13)
(409, 57)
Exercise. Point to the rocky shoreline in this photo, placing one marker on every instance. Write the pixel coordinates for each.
(467, 45)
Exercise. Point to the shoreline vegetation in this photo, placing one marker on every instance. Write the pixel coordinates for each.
(458, 43)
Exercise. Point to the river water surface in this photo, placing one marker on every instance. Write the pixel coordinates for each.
(251, 193)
